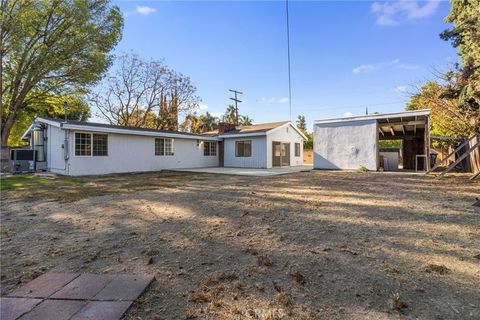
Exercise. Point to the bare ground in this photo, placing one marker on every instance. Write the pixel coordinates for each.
(318, 245)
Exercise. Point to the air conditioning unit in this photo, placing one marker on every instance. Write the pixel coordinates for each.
(23, 160)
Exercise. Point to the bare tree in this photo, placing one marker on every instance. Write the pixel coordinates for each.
(144, 94)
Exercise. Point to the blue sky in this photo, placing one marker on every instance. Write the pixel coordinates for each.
(345, 55)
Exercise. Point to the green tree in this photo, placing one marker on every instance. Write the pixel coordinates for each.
(52, 47)
(302, 124)
(50, 107)
(230, 115)
(208, 122)
(245, 121)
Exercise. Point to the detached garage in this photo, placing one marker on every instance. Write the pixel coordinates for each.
(354, 142)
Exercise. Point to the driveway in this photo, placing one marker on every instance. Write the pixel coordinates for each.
(250, 171)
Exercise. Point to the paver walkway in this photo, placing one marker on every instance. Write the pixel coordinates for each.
(64, 296)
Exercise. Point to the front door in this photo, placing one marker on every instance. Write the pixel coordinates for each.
(280, 154)
(285, 154)
(276, 154)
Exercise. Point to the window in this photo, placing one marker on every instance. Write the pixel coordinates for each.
(91, 144)
(100, 145)
(297, 149)
(164, 147)
(243, 148)
(83, 144)
(209, 148)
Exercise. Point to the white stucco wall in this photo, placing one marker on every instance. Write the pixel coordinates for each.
(285, 134)
(345, 145)
(126, 153)
(257, 160)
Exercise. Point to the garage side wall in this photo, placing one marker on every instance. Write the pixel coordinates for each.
(258, 158)
(131, 153)
(345, 145)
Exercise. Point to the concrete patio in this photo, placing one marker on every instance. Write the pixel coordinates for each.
(250, 171)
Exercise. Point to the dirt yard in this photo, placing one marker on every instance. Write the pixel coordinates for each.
(311, 245)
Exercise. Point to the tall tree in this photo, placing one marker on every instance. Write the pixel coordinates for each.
(230, 115)
(245, 121)
(198, 124)
(302, 124)
(52, 47)
(50, 107)
(144, 93)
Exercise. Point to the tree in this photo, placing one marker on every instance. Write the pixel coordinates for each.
(447, 118)
(245, 121)
(51, 107)
(302, 124)
(230, 115)
(145, 94)
(51, 47)
(198, 124)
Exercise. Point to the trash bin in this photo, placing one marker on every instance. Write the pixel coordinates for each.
(433, 159)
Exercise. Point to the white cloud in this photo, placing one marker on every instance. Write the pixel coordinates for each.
(409, 66)
(217, 114)
(271, 100)
(202, 106)
(283, 100)
(400, 89)
(394, 12)
(145, 10)
(363, 68)
(347, 114)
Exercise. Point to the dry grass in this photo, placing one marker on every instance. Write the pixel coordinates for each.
(318, 245)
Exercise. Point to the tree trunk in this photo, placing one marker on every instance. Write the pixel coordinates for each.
(7, 127)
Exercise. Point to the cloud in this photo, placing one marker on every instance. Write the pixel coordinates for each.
(202, 106)
(347, 114)
(217, 114)
(409, 66)
(400, 89)
(363, 68)
(272, 100)
(145, 10)
(395, 12)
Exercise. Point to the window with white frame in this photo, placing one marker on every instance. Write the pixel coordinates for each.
(91, 144)
(209, 148)
(164, 147)
(297, 149)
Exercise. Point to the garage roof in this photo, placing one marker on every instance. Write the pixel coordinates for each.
(386, 117)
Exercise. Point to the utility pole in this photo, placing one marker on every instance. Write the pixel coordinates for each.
(236, 105)
(366, 111)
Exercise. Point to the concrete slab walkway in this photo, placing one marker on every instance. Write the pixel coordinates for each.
(249, 171)
(64, 296)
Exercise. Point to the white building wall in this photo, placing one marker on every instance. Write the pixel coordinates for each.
(285, 134)
(257, 160)
(346, 145)
(133, 153)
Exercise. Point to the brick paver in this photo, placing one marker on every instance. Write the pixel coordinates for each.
(44, 286)
(103, 310)
(124, 287)
(12, 308)
(84, 287)
(54, 310)
(73, 296)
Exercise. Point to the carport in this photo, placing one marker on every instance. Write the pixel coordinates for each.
(354, 142)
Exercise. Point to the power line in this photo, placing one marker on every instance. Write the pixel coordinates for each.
(236, 101)
(288, 59)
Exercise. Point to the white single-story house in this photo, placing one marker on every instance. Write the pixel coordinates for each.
(353, 142)
(85, 148)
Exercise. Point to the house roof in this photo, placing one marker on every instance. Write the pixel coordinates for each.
(254, 128)
(385, 116)
(109, 128)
